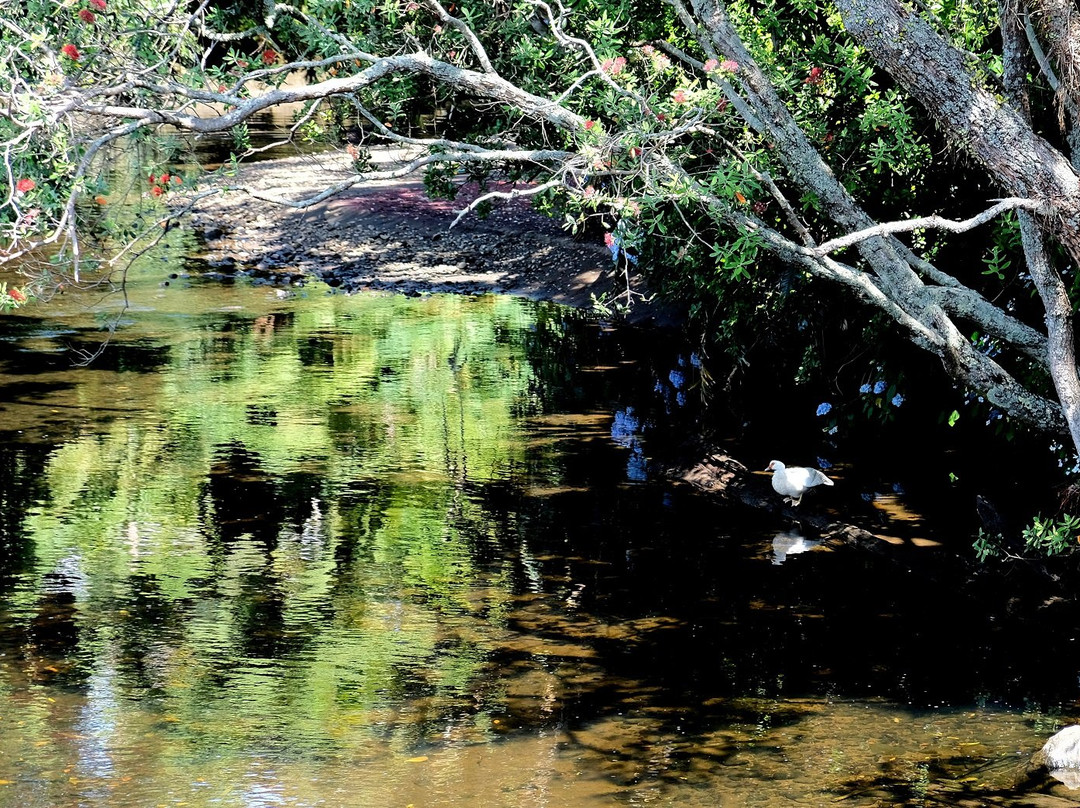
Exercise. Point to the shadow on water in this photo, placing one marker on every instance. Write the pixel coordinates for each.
(377, 550)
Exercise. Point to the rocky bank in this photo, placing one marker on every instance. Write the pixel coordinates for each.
(388, 235)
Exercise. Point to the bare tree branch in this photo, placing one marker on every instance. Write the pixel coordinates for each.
(931, 222)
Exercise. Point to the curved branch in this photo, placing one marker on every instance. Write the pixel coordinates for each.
(931, 222)
(516, 193)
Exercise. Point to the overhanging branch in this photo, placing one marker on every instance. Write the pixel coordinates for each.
(931, 222)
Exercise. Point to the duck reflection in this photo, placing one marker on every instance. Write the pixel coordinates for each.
(790, 542)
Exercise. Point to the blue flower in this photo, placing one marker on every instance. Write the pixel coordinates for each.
(824, 408)
(879, 387)
(865, 388)
(897, 400)
(823, 463)
(677, 379)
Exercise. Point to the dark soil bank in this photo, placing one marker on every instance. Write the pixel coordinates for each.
(388, 235)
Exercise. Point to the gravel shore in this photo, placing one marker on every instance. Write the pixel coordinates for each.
(387, 235)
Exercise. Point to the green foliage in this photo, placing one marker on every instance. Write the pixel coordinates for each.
(1044, 537)
(1047, 536)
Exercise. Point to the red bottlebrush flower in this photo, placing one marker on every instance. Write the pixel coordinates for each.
(176, 180)
(269, 56)
(87, 16)
(729, 66)
(98, 4)
(614, 66)
(679, 97)
(589, 124)
(71, 52)
(16, 295)
(711, 65)
(760, 207)
(815, 76)
(153, 179)
(157, 190)
(164, 179)
(609, 240)
(24, 185)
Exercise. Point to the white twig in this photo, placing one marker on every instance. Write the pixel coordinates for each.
(926, 222)
(511, 194)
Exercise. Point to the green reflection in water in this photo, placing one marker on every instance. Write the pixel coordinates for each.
(294, 553)
(274, 552)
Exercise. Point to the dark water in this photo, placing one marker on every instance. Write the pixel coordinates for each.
(388, 551)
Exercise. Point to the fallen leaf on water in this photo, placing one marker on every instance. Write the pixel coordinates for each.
(419, 759)
(6, 782)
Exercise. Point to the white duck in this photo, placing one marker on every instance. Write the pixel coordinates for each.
(792, 483)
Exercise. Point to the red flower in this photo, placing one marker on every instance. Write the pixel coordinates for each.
(614, 66)
(16, 295)
(24, 185)
(815, 76)
(589, 124)
(71, 52)
(269, 56)
(86, 15)
(98, 4)
(679, 97)
(176, 179)
(157, 190)
(153, 179)
(164, 179)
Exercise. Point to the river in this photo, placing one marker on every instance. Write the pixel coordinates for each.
(299, 549)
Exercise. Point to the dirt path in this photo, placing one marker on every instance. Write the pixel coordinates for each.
(388, 235)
